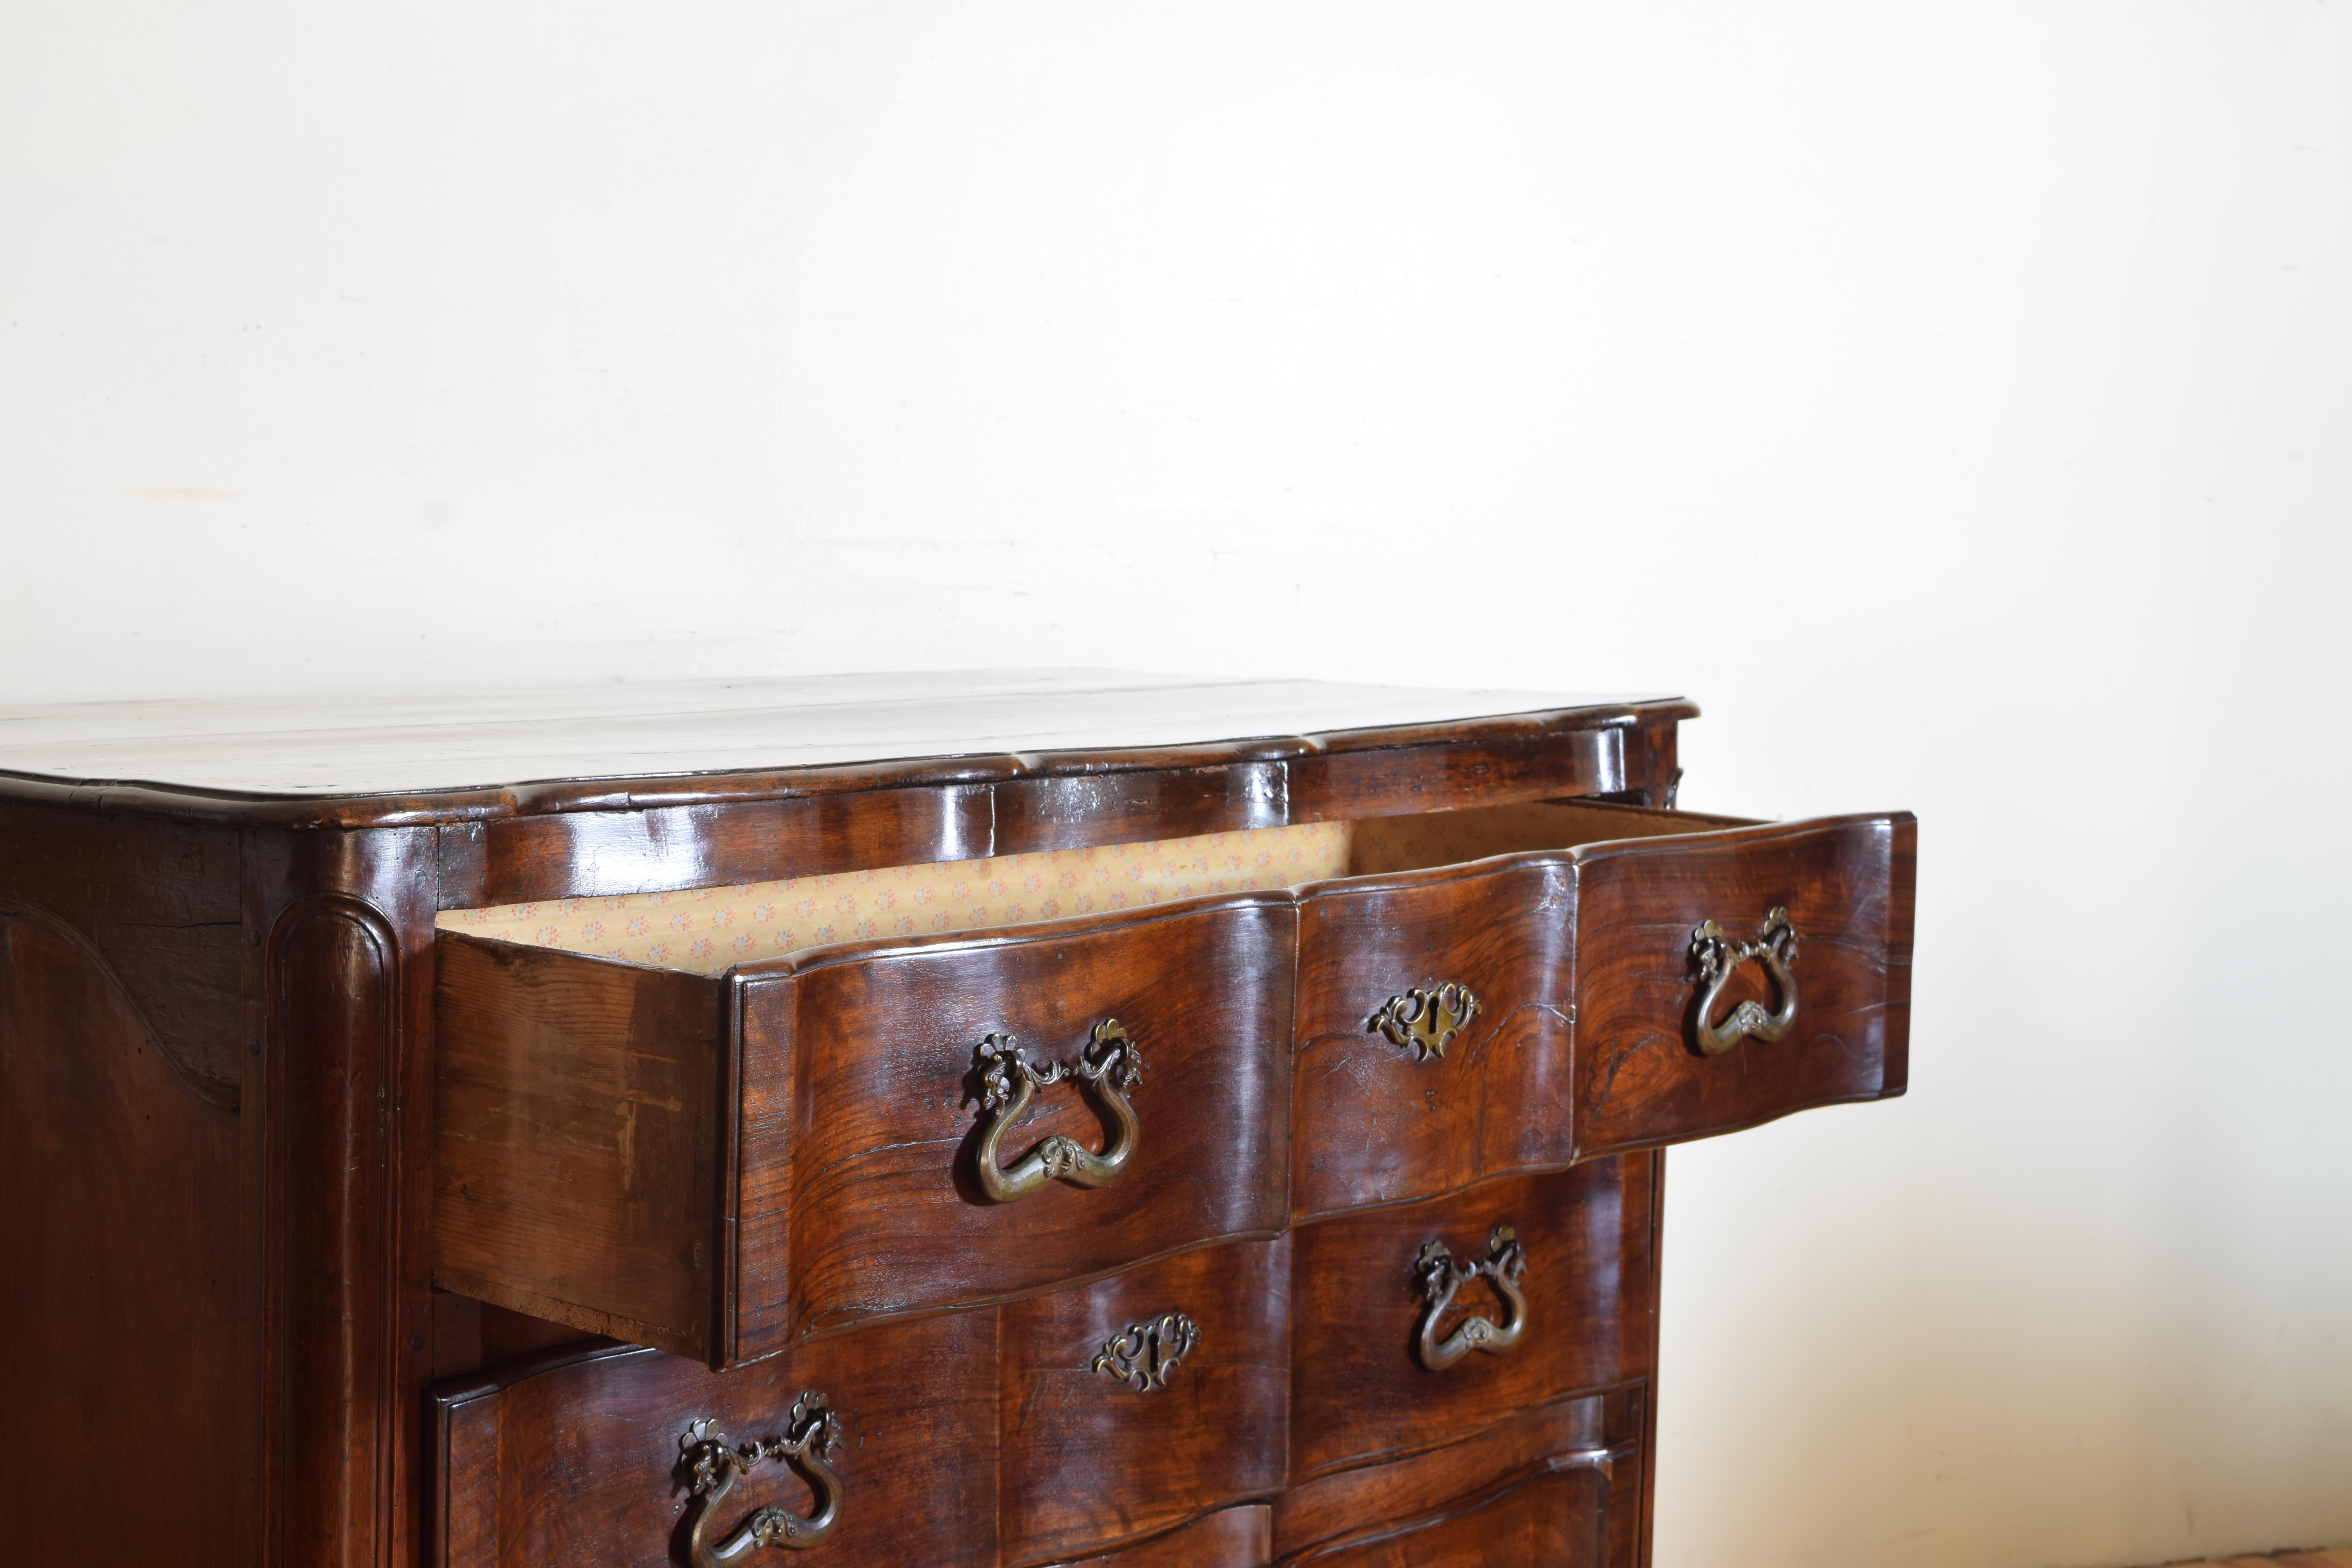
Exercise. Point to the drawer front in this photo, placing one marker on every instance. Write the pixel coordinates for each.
(1142, 1400)
(1384, 1366)
(1432, 1026)
(1558, 1517)
(715, 1165)
(865, 1090)
(1342, 1505)
(583, 1458)
(1239, 1537)
(1456, 1022)
(1649, 1068)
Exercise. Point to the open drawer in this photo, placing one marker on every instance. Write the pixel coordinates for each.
(1554, 981)
(717, 1161)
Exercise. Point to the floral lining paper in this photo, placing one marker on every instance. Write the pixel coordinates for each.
(710, 929)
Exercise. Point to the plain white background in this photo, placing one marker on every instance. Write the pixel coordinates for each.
(1955, 398)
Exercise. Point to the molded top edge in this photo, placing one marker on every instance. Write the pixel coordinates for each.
(448, 756)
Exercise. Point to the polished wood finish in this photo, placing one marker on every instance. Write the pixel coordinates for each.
(576, 1156)
(714, 1165)
(115, 1169)
(1239, 1537)
(1556, 1514)
(762, 829)
(393, 761)
(585, 1140)
(1089, 1459)
(573, 1457)
(885, 1216)
(1359, 1395)
(1342, 1506)
(570, 1455)
(1846, 883)
(243, 1071)
(1046, 1451)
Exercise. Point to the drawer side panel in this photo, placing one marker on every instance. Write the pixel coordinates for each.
(575, 1140)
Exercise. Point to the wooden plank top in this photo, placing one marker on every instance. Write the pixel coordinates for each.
(430, 750)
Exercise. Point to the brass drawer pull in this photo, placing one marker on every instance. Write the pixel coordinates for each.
(1441, 1278)
(1423, 1021)
(1714, 955)
(1110, 1065)
(712, 1466)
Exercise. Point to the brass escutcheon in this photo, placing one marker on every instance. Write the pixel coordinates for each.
(1110, 1065)
(1714, 955)
(1423, 1020)
(1145, 1353)
(1441, 1278)
(712, 1468)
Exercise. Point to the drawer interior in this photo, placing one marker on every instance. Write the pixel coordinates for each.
(707, 931)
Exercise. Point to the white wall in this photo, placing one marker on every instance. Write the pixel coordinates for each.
(1955, 398)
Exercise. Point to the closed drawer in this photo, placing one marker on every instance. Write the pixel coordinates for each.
(1554, 1516)
(1516, 987)
(1126, 1421)
(1388, 1361)
(1142, 1400)
(1432, 1499)
(1240, 1537)
(710, 1163)
(590, 1457)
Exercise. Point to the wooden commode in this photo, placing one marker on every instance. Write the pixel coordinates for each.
(990, 1120)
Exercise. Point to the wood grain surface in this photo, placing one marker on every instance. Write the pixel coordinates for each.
(999, 1418)
(1358, 1393)
(128, 1306)
(612, 1154)
(453, 743)
(1240, 1537)
(577, 1120)
(244, 1075)
(574, 1457)
(887, 1214)
(1846, 883)
(1323, 1509)
(1555, 1517)
(1088, 1460)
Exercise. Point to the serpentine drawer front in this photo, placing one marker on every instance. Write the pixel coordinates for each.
(1014, 1120)
(712, 1163)
(1600, 1018)
(1121, 1418)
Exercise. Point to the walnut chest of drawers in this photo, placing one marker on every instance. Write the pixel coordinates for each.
(988, 1119)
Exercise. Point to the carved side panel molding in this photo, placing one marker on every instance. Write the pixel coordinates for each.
(335, 1005)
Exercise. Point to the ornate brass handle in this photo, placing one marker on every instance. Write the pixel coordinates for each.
(1441, 1278)
(809, 1436)
(1714, 955)
(1110, 1065)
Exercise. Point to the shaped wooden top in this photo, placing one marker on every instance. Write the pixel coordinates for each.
(453, 754)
